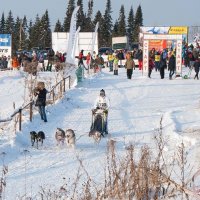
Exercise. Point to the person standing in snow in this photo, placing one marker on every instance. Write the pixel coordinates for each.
(115, 65)
(110, 61)
(163, 63)
(129, 65)
(196, 68)
(41, 92)
(139, 56)
(171, 66)
(151, 66)
(80, 57)
(157, 61)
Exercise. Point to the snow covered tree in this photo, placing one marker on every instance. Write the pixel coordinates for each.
(122, 22)
(99, 18)
(130, 25)
(81, 19)
(58, 27)
(107, 25)
(67, 20)
(137, 24)
(2, 24)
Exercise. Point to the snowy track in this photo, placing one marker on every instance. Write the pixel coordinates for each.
(136, 108)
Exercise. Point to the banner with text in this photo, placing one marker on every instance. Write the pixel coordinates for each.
(156, 30)
(5, 45)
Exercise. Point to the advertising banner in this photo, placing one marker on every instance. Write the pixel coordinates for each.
(171, 30)
(5, 45)
(164, 37)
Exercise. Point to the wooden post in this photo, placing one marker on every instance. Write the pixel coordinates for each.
(63, 84)
(31, 111)
(60, 88)
(69, 82)
(53, 95)
(20, 119)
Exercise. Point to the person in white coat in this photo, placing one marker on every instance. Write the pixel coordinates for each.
(102, 102)
(102, 105)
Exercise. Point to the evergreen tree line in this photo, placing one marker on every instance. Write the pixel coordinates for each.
(37, 33)
(26, 35)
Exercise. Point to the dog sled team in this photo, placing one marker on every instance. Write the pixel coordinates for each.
(98, 129)
(61, 137)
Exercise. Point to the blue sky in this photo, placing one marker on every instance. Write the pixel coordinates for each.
(155, 12)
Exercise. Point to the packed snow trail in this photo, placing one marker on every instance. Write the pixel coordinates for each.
(136, 108)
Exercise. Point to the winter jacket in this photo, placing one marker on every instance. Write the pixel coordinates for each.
(157, 58)
(129, 64)
(191, 56)
(151, 64)
(15, 63)
(163, 61)
(172, 63)
(41, 99)
(111, 57)
(139, 55)
(102, 103)
(115, 61)
(88, 58)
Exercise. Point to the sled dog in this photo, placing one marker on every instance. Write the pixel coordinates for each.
(96, 135)
(60, 136)
(37, 137)
(70, 138)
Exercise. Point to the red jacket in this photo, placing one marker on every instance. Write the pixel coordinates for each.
(151, 64)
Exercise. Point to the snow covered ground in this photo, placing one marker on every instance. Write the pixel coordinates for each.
(136, 108)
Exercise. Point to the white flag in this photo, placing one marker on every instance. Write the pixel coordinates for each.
(94, 37)
(72, 34)
(75, 42)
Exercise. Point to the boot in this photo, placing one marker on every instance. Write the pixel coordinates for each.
(116, 72)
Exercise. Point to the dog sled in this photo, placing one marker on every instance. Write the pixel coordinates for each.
(99, 122)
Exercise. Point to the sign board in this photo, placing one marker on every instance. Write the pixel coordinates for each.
(166, 30)
(149, 37)
(5, 45)
(162, 37)
(145, 65)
